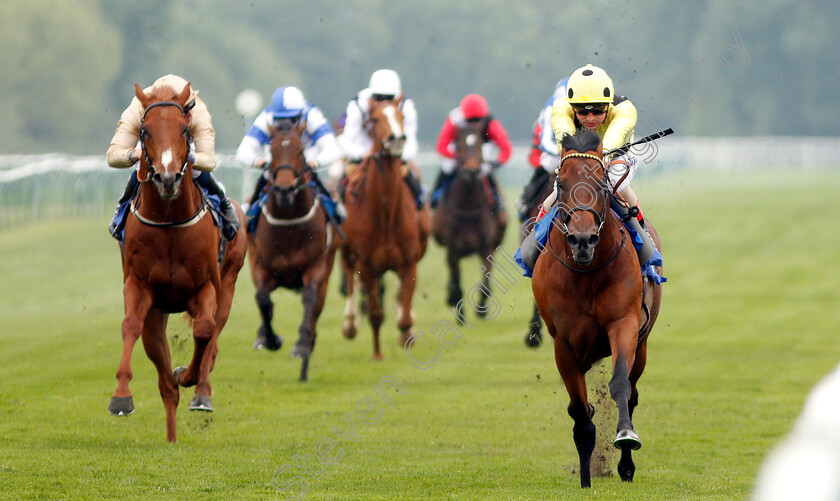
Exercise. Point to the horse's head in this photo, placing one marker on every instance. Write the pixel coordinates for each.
(583, 193)
(468, 143)
(386, 129)
(287, 171)
(165, 138)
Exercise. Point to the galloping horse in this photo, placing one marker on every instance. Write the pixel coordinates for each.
(171, 261)
(292, 245)
(384, 229)
(465, 222)
(590, 293)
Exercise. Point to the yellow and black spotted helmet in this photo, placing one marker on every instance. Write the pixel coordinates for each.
(589, 85)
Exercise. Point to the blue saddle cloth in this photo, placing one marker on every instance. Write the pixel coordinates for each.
(544, 225)
(327, 203)
(122, 212)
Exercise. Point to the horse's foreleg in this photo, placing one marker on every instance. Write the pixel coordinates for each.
(454, 288)
(626, 467)
(405, 315)
(534, 337)
(579, 408)
(266, 337)
(375, 314)
(157, 349)
(488, 266)
(351, 324)
(313, 279)
(138, 301)
(623, 340)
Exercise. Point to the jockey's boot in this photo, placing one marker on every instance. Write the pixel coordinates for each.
(415, 186)
(131, 186)
(258, 189)
(338, 211)
(230, 221)
(530, 193)
(442, 183)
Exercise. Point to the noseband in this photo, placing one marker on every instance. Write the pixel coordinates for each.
(143, 133)
(600, 218)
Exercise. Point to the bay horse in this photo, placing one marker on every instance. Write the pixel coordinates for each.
(171, 262)
(384, 229)
(466, 221)
(590, 293)
(292, 246)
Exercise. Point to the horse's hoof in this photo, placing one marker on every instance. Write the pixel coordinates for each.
(533, 339)
(348, 330)
(121, 406)
(301, 351)
(201, 403)
(178, 371)
(627, 439)
(268, 341)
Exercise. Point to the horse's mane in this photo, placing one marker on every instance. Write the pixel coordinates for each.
(583, 140)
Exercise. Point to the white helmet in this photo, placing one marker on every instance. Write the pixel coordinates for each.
(385, 82)
(287, 102)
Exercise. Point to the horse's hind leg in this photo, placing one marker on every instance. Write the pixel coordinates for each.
(534, 337)
(137, 300)
(157, 349)
(350, 326)
(202, 307)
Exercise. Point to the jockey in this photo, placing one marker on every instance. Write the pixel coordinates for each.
(591, 103)
(355, 141)
(289, 108)
(473, 109)
(124, 152)
(544, 156)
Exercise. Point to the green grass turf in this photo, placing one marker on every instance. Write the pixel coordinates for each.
(748, 325)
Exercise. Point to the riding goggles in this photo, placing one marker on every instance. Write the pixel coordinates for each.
(587, 109)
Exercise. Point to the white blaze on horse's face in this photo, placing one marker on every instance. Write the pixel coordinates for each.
(470, 140)
(166, 159)
(395, 143)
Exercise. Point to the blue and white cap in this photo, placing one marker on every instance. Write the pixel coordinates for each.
(287, 102)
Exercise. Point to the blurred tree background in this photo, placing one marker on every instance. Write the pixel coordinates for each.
(708, 68)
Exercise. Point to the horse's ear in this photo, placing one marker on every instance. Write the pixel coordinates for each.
(185, 95)
(271, 130)
(301, 127)
(371, 104)
(141, 96)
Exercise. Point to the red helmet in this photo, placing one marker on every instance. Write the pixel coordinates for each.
(474, 106)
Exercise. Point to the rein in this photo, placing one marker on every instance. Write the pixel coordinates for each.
(274, 221)
(199, 213)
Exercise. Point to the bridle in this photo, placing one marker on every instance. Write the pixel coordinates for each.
(143, 133)
(600, 217)
(135, 206)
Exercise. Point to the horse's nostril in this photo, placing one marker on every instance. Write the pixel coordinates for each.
(572, 240)
(593, 240)
(157, 178)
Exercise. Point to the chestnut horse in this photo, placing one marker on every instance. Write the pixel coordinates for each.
(384, 229)
(590, 293)
(292, 246)
(171, 260)
(465, 221)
